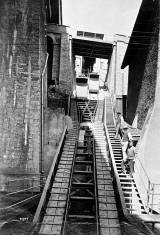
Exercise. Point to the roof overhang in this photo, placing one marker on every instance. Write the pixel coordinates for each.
(91, 47)
(142, 32)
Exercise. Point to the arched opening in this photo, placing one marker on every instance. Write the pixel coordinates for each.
(50, 60)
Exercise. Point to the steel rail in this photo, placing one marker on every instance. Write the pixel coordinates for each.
(95, 196)
(96, 189)
(21, 202)
(23, 190)
(13, 180)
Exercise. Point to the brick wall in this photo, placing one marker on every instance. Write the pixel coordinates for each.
(21, 62)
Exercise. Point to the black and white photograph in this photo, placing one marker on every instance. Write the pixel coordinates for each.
(79, 117)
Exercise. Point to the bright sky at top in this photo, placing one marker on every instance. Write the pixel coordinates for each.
(101, 16)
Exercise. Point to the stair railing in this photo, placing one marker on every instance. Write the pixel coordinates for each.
(94, 113)
(149, 192)
(114, 165)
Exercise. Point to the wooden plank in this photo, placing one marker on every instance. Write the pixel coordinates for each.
(47, 230)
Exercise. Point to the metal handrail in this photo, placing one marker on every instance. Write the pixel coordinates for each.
(148, 200)
(48, 181)
(96, 189)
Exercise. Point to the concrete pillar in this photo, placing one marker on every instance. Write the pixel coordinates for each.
(118, 78)
(111, 73)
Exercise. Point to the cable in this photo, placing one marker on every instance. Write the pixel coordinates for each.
(20, 202)
(23, 190)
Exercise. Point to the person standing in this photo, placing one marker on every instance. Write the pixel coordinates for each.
(131, 152)
(68, 122)
(119, 124)
(126, 137)
(130, 159)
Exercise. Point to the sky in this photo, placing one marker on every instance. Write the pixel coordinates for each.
(101, 16)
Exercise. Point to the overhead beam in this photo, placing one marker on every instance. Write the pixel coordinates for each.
(89, 43)
(93, 55)
(95, 49)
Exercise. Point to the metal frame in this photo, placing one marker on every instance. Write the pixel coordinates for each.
(84, 186)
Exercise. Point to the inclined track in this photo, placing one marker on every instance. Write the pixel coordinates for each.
(54, 212)
(108, 215)
(82, 196)
(87, 110)
(82, 209)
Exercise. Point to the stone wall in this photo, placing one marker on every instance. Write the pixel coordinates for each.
(136, 71)
(147, 92)
(54, 126)
(62, 68)
(22, 59)
(65, 76)
(145, 71)
(142, 82)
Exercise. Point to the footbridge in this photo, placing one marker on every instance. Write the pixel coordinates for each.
(93, 46)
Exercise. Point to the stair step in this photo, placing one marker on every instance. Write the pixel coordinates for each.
(83, 172)
(82, 184)
(84, 162)
(81, 216)
(81, 198)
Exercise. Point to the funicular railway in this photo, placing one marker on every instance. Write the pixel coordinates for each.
(86, 191)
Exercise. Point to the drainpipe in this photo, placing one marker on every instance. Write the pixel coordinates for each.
(71, 63)
(60, 11)
(115, 67)
(41, 164)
